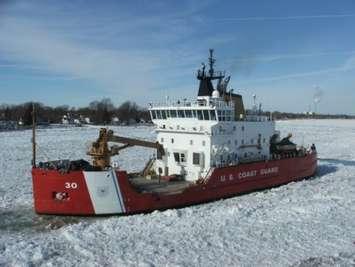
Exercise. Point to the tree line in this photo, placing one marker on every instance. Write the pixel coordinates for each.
(103, 111)
(278, 115)
(99, 112)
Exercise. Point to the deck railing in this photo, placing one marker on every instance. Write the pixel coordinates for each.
(192, 104)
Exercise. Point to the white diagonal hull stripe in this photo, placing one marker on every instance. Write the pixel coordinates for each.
(115, 178)
(104, 192)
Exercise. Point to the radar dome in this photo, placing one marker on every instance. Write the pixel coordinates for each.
(215, 94)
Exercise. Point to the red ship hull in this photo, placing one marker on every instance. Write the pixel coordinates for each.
(110, 192)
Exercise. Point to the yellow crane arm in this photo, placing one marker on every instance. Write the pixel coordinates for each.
(101, 153)
(136, 142)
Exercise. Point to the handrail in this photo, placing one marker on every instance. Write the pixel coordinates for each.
(191, 104)
(208, 175)
(147, 167)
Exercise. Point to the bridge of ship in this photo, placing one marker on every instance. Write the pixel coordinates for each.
(202, 109)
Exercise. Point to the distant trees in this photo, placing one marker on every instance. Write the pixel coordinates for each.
(103, 111)
(130, 111)
(27, 115)
(5, 112)
(20, 112)
(277, 115)
(99, 112)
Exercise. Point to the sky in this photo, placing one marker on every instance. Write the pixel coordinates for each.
(286, 52)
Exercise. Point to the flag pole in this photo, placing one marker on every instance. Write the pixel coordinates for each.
(33, 135)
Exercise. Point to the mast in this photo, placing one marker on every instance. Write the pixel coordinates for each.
(33, 135)
(211, 62)
(206, 77)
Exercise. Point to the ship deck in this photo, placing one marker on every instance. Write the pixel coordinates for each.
(144, 185)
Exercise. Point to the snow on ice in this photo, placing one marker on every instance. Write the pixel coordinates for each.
(308, 223)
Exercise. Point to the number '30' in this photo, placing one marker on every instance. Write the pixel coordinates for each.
(71, 185)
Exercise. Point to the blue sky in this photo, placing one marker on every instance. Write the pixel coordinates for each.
(74, 52)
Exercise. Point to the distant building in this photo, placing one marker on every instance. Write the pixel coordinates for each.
(87, 120)
(66, 119)
(115, 120)
(76, 122)
(309, 113)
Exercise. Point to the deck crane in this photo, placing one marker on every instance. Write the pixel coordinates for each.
(101, 153)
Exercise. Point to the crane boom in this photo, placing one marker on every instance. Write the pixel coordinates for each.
(101, 153)
(136, 142)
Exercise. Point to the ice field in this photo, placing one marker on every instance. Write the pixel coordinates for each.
(308, 223)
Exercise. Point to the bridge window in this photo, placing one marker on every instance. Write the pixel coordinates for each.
(163, 114)
(153, 114)
(173, 113)
(213, 115)
(188, 113)
(167, 112)
(181, 114)
(158, 114)
(206, 115)
(199, 114)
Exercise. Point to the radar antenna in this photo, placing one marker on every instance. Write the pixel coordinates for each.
(211, 62)
(206, 77)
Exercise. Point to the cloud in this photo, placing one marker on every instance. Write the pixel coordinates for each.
(248, 62)
(348, 65)
(325, 16)
(114, 70)
(271, 58)
(125, 54)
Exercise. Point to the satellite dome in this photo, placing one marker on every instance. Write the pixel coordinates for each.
(215, 94)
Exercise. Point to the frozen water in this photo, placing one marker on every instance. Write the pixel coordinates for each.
(308, 223)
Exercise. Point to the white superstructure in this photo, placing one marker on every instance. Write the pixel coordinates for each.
(212, 131)
(204, 134)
